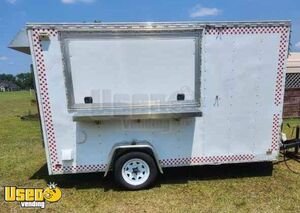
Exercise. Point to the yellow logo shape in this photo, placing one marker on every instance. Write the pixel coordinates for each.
(52, 193)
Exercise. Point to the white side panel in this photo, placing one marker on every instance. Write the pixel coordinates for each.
(128, 68)
(40, 105)
(65, 128)
(171, 138)
(239, 79)
(238, 100)
(58, 128)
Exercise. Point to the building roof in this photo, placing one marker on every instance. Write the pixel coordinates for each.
(8, 84)
(293, 63)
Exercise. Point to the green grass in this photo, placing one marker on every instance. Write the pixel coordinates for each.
(227, 188)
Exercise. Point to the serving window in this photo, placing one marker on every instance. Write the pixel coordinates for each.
(155, 71)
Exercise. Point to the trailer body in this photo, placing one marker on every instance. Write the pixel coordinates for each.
(197, 93)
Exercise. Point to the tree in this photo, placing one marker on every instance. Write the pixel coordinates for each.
(25, 80)
(7, 77)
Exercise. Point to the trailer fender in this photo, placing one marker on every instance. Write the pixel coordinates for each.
(128, 146)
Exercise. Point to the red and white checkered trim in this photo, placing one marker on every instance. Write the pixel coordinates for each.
(278, 99)
(245, 30)
(84, 168)
(208, 159)
(275, 133)
(42, 78)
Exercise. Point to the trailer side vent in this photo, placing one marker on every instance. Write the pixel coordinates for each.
(180, 97)
(88, 100)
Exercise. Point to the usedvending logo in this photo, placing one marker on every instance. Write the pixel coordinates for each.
(33, 197)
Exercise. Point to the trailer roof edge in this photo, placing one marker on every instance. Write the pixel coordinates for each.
(213, 23)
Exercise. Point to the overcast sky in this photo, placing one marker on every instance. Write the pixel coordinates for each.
(15, 13)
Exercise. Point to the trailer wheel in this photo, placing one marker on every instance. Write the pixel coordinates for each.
(135, 170)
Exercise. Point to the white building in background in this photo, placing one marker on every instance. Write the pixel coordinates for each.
(8, 86)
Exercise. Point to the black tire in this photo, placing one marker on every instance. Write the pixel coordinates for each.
(119, 163)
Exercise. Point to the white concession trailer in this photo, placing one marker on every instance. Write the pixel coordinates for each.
(138, 97)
